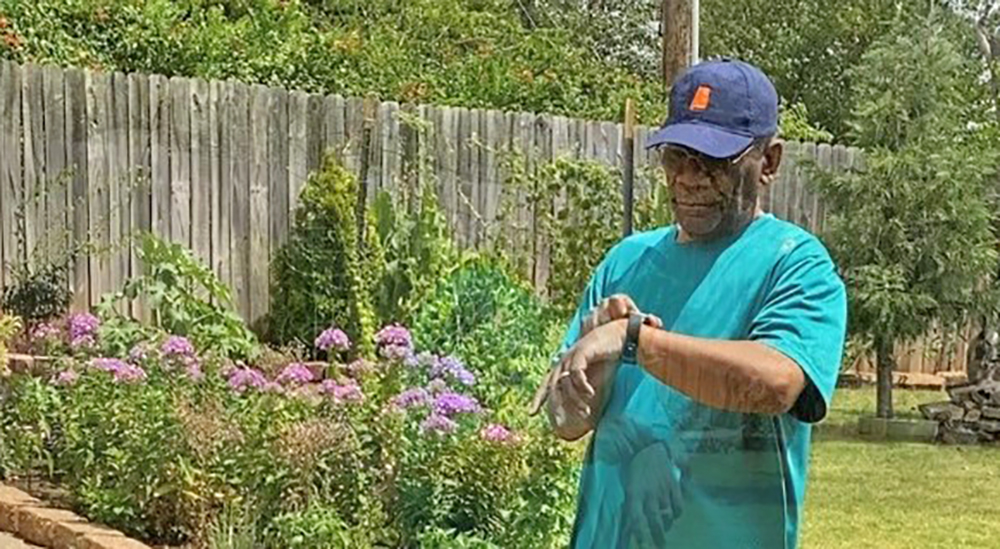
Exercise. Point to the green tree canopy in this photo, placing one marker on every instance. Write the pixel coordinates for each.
(911, 231)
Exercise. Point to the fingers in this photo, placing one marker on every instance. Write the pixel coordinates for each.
(654, 321)
(659, 517)
(612, 308)
(540, 394)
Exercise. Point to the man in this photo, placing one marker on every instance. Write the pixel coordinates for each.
(701, 406)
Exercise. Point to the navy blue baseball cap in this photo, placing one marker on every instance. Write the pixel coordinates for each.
(718, 108)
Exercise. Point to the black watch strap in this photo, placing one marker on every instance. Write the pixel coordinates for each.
(630, 350)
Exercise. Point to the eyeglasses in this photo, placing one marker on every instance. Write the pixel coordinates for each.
(674, 157)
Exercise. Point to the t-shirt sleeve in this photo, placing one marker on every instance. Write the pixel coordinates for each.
(804, 316)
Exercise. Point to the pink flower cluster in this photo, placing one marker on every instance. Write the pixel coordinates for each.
(180, 350)
(122, 371)
(394, 342)
(349, 391)
(497, 433)
(295, 374)
(240, 379)
(83, 330)
(333, 338)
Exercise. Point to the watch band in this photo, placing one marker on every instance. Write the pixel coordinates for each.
(630, 349)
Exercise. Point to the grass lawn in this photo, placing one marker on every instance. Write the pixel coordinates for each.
(897, 495)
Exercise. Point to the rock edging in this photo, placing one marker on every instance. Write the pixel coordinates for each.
(32, 520)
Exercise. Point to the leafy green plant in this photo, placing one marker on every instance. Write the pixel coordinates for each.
(579, 232)
(184, 298)
(38, 293)
(418, 250)
(319, 274)
(10, 325)
(493, 321)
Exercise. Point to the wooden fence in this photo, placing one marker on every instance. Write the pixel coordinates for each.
(217, 166)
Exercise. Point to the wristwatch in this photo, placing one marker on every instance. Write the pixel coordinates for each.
(630, 349)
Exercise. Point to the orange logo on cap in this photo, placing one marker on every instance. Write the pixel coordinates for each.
(701, 99)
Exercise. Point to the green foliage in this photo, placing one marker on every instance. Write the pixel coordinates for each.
(418, 250)
(795, 126)
(911, 231)
(579, 232)
(184, 298)
(319, 274)
(37, 294)
(175, 459)
(315, 528)
(810, 47)
(487, 317)
(10, 326)
(471, 53)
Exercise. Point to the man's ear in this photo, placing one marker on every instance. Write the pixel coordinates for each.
(772, 161)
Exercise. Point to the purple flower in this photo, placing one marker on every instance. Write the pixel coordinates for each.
(129, 373)
(435, 423)
(296, 373)
(411, 398)
(44, 331)
(448, 404)
(138, 353)
(82, 329)
(453, 368)
(394, 342)
(241, 378)
(395, 352)
(112, 365)
(333, 338)
(83, 342)
(348, 392)
(177, 346)
(437, 386)
(496, 433)
(66, 378)
(194, 371)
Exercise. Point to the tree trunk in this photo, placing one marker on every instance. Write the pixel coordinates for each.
(886, 364)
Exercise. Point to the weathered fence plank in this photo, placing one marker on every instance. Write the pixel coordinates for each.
(139, 162)
(78, 159)
(98, 89)
(33, 156)
(298, 164)
(180, 161)
(222, 197)
(259, 253)
(10, 169)
(159, 121)
(201, 172)
(278, 196)
(119, 184)
(239, 245)
(55, 161)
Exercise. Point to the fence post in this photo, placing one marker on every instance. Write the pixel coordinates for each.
(629, 168)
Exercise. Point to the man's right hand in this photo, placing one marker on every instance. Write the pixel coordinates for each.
(613, 308)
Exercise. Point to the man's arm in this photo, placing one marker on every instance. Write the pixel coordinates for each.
(737, 376)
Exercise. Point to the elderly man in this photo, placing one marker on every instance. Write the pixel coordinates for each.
(700, 405)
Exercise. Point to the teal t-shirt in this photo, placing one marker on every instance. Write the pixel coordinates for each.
(739, 478)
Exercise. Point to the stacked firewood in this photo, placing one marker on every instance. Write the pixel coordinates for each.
(972, 413)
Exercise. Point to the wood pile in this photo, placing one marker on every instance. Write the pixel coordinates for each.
(972, 413)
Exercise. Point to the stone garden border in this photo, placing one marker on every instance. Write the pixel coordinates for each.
(36, 522)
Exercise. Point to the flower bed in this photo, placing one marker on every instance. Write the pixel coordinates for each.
(175, 446)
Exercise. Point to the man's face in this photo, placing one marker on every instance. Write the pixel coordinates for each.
(713, 198)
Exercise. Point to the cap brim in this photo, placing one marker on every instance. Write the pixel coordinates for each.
(707, 140)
